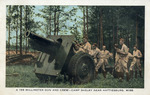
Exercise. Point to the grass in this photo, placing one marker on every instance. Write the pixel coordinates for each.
(27, 78)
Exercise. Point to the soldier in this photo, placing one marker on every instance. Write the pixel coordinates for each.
(116, 55)
(86, 45)
(129, 59)
(95, 52)
(104, 55)
(136, 62)
(116, 65)
(122, 61)
(129, 56)
(77, 48)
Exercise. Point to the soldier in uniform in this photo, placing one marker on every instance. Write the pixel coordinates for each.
(77, 48)
(122, 61)
(116, 65)
(129, 56)
(95, 52)
(136, 62)
(104, 55)
(86, 45)
(116, 55)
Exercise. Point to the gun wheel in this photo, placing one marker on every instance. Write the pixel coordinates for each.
(81, 68)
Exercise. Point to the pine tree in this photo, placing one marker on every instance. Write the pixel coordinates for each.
(20, 29)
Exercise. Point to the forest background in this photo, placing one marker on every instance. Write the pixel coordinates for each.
(103, 25)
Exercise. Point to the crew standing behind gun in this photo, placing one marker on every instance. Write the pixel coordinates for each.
(86, 45)
(95, 53)
(103, 62)
(122, 61)
(136, 62)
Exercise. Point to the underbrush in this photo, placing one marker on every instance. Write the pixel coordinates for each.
(26, 78)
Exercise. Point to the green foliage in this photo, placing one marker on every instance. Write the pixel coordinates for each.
(117, 22)
(27, 78)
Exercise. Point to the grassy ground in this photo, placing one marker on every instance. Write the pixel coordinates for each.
(27, 78)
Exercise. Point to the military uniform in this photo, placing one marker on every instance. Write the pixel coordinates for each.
(80, 49)
(130, 56)
(122, 59)
(116, 61)
(87, 47)
(104, 55)
(121, 67)
(95, 54)
(136, 63)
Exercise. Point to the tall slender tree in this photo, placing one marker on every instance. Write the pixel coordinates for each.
(50, 20)
(9, 22)
(136, 30)
(26, 28)
(17, 30)
(84, 30)
(20, 30)
(101, 27)
(15, 27)
(98, 33)
(87, 21)
(55, 30)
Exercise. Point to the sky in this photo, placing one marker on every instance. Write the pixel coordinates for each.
(68, 23)
(37, 10)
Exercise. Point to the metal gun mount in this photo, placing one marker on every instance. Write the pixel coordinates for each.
(57, 57)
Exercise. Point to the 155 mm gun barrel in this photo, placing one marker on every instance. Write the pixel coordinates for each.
(42, 44)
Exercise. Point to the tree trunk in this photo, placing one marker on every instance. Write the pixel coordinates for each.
(128, 37)
(17, 33)
(113, 35)
(136, 31)
(47, 34)
(20, 30)
(98, 37)
(109, 42)
(26, 28)
(87, 20)
(50, 30)
(84, 22)
(9, 30)
(55, 20)
(114, 52)
(58, 23)
(101, 28)
(117, 35)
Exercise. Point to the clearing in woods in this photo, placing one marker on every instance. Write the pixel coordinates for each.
(23, 76)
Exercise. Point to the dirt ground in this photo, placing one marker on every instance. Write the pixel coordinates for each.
(13, 52)
(26, 59)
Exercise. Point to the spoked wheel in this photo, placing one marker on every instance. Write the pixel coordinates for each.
(81, 68)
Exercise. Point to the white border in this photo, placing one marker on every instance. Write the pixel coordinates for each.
(11, 91)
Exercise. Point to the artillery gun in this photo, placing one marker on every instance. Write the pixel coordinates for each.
(57, 57)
